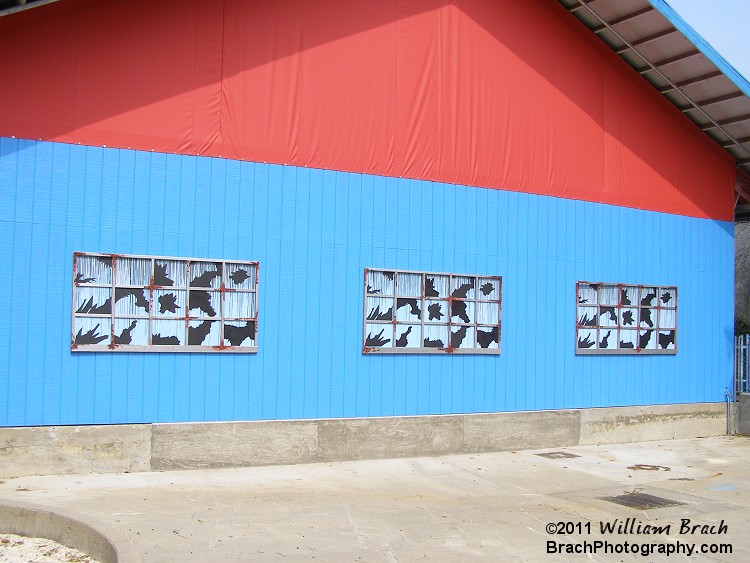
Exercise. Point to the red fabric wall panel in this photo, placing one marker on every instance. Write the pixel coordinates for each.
(499, 94)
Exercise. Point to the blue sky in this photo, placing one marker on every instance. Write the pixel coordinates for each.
(724, 24)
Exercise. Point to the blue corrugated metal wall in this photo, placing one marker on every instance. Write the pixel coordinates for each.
(314, 232)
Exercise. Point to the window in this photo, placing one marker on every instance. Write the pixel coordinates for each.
(421, 312)
(626, 319)
(154, 304)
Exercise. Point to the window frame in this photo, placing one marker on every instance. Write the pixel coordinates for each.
(618, 326)
(151, 316)
(448, 299)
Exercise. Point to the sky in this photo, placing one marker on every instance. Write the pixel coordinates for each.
(724, 24)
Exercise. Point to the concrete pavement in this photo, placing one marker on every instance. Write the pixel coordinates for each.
(475, 507)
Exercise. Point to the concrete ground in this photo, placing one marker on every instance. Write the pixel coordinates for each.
(477, 507)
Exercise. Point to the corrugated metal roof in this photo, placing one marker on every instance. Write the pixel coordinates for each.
(652, 38)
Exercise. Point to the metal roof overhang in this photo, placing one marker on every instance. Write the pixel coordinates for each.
(12, 6)
(686, 70)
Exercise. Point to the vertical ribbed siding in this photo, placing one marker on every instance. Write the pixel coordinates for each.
(313, 233)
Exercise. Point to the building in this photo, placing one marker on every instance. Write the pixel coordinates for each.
(357, 222)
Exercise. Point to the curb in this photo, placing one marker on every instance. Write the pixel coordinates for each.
(98, 540)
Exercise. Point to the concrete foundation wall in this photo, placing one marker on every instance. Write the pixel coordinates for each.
(119, 448)
(743, 414)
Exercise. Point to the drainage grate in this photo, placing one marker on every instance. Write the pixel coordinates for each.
(642, 501)
(557, 455)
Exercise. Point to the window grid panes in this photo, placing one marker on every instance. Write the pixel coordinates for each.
(424, 312)
(157, 304)
(615, 318)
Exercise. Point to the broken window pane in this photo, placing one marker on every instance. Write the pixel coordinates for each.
(462, 337)
(93, 300)
(435, 336)
(587, 294)
(380, 283)
(489, 289)
(668, 297)
(409, 336)
(436, 285)
(488, 337)
(628, 339)
(170, 302)
(204, 333)
(647, 339)
(607, 315)
(462, 312)
(463, 287)
(436, 311)
(588, 316)
(237, 333)
(205, 274)
(239, 276)
(131, 301)
(93, 270)
(378, 335)
(648, 297)
(131, 332)
(408, 309)
(586, 338)
(204, 303)
(628, 296)
(607, 338)
(167, 333)
(91, 331)
(379, 309)
(170, 273)
(666, 339)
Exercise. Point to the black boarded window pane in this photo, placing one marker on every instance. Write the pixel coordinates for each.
(157, 304)
(429, 313)
(616, 318)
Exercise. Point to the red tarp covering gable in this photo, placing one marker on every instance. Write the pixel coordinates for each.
(499, 94)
